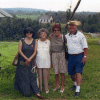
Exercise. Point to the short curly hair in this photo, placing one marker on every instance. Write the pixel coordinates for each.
(56, 26)
(43, 30)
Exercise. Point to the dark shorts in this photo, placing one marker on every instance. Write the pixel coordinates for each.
(75, 64)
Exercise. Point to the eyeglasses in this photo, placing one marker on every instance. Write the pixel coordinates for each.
(29, 33)
(56, 30)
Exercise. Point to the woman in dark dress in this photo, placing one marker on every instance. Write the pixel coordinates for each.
(25, 80)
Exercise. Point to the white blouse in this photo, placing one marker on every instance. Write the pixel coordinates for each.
(43, 54)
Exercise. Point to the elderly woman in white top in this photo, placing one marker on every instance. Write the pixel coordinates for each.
(43, 59)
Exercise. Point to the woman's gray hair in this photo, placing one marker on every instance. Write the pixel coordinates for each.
(43, 30)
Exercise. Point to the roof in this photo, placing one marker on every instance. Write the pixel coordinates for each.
(4, 13)
(45, 17)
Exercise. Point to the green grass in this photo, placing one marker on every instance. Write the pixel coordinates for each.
(93, 41)
(90, 86)
(33, 17)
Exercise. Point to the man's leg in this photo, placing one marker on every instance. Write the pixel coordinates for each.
(78, 81)
(73, 77)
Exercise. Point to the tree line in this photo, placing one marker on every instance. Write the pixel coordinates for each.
(12, 28)
(90, 22)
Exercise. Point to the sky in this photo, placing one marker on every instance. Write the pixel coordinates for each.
(53, 5)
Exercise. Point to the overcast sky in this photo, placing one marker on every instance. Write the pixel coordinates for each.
(53, 5)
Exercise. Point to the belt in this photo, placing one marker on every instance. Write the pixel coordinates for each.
(76, 54)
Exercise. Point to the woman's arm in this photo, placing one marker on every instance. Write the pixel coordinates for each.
(35, 50)
(20, 50)
(35, 61)
(50, 36)
(65, 39)
(33, 55)
(51, 66)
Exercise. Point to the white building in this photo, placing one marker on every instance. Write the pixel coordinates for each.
(46, 19)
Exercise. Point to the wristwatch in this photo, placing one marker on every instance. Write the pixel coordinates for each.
(85, 56)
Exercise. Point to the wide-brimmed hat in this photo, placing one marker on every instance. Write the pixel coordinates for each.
(74, 23)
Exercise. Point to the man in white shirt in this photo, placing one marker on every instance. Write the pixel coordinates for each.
(77, 49)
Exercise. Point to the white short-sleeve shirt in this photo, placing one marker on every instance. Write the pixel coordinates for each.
(43, 54)
(76, 42)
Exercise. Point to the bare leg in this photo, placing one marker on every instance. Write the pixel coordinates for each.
(57, 80)
(62, 81)
(78, 78)
(40, 78)
(78, 81)
(45, 78)
(73, 77)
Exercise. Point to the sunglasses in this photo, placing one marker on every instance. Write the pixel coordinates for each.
(56, 30)
(29, 33)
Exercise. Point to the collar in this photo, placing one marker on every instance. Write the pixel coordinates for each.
(74, 33)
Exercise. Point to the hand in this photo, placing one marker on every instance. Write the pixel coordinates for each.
(28, 60)
(84, 60)
(26, 63)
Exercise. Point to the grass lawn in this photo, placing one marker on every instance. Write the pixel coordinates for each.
(33, 17)
(90, 86)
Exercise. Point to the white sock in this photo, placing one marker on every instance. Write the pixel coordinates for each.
(77, 89)
(75, 83)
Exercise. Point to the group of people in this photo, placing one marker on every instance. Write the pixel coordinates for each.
(50, 53)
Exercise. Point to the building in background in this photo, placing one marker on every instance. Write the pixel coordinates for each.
(46, 19)
(4, 13)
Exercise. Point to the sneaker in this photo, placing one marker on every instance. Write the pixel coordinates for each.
(77, 94)
(73, 88)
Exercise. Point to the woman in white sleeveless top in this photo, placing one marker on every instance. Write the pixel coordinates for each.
(43, 59)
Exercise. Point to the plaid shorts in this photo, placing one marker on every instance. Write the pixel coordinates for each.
(59, 63)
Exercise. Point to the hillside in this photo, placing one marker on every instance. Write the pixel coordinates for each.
(31, 10)
(23, 10)
(30, 13)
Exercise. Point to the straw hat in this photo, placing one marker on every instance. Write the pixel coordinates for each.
(74, 23)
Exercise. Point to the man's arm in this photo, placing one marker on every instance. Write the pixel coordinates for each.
(84, 60)
(85, 51)
(85, 48)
